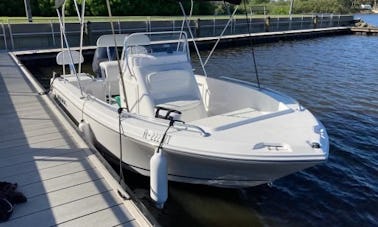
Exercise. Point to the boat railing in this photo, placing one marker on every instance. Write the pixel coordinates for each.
(185, 126)
(3, 34)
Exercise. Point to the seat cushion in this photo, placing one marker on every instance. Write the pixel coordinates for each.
(171, 84)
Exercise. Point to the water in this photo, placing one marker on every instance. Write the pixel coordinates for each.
(337, 79)
(371, 19)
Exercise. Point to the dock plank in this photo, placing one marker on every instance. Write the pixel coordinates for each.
(29, 128)
(38, 144)
(38, 130)
(48, 145)
(106, 217)
(13, 160)
(62, 182)
(40, 164)
(46, 174)
(69, 211)
(33, 140)
(54, 199)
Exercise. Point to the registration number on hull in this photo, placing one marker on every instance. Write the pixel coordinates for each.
(155, 136)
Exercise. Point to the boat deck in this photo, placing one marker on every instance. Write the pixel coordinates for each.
(65, 184)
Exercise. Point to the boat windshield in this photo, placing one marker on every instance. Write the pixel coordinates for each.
(156, 44)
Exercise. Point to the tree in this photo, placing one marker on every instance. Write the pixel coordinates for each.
(321, 6)
(12, 8)
(258, 2)
(44, 8)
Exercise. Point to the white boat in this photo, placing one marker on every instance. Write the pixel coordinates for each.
(375, 7)
(225, 132)
(154, 115)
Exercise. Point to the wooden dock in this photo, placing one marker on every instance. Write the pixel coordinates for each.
(365, 31)
(64, 182)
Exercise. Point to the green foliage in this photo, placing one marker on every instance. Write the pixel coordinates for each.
(304, 6)
(258, 2)
(43, 7)
(280, 8)
(322, 6)
(171, 8)
(98, 7)
(14, 7)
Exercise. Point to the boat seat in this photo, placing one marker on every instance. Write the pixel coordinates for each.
(102, 54)
(67, 57)
(106, 50)
(110, 72)
(137, 50)
(138, 44)
(177, 90)
(70, 58)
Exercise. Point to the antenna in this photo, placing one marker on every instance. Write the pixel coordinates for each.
(81, 19)
(251, 44)
(117, 55)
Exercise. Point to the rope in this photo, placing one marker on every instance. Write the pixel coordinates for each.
(82, 108)
(120, 131)
(160, 147)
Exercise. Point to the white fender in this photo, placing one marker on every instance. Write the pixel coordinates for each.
(85, 129)
(159, 178)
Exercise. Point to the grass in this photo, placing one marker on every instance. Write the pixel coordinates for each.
(20, 20)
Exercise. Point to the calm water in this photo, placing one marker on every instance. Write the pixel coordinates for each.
(371, 19)
(337, 79)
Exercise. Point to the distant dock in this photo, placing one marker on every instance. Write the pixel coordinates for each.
(365, 31)
(64, 182)
(226, 41)
(268, 37)
(46, 35)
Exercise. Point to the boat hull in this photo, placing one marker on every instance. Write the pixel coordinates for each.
(201, 169)
(183, 166)
(193, 169)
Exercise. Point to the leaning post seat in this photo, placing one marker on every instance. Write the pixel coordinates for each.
(106, 50)
(176, 90)
(160, 79)
(110, 72)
